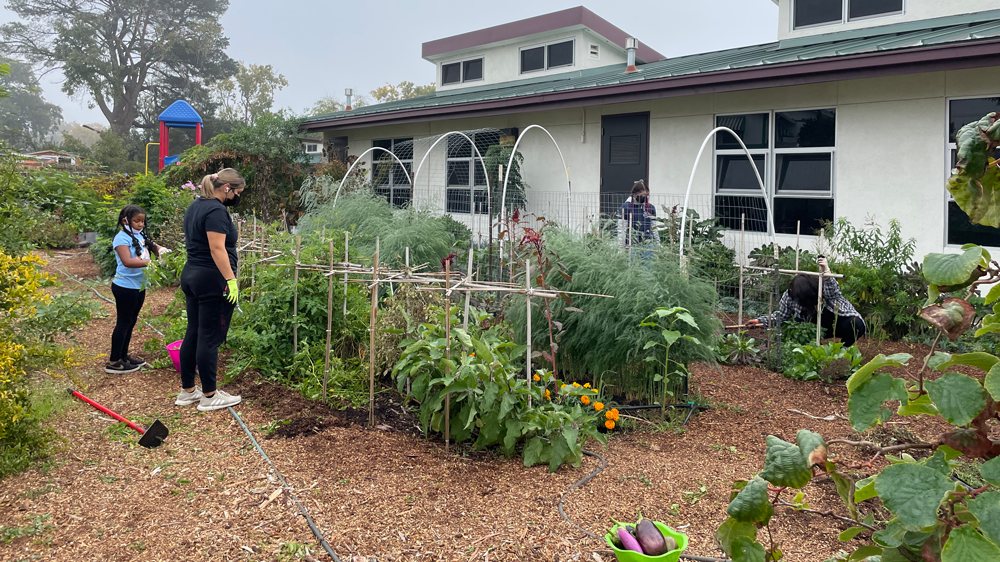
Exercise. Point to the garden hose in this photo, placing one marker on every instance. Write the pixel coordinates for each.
(312, 526)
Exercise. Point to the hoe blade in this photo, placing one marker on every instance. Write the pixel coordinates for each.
(154, 436)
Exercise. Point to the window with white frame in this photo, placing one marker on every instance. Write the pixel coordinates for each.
(312, 148)
(959, 229)
(808, 13)
(389, 178)
(470, 70)
(794, 152)
(547, 56)
(466, 178)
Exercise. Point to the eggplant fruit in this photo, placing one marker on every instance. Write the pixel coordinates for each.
(650, 538)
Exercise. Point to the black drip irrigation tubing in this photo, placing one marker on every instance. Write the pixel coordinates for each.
(312, 526)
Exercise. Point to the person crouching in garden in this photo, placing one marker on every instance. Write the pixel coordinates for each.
(209, 284)
(132, 252)
(636, 221)
(798, 303)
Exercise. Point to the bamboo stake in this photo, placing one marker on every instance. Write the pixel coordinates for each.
(798, 226)
(743, 216)
(295, 298)
(527, 304)
(819, 309)
(468, 294)
(407, 262)
(346, 260)
(447, 351)
(329, 327)
(371, 339)
(253, 250)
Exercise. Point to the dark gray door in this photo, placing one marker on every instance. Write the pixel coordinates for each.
(624, 157)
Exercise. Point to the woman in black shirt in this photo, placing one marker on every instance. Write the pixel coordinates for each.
(209, 283)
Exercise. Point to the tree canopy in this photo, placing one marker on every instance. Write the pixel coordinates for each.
(402, 91)
(249, 94)
(26, 119)
(131, 58)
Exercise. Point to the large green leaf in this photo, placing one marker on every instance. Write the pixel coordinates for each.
(752, 505)
(992, 380)
(865, 404)
(938, 462)
(918, 406)
(991, 471)
(913, 492)
(980, 360)
(951, 269)
(558, 452)
(784, 464)
(746, 550)
(535, 452)
(959, 397)
(979, 198)
(850, 533)
(891, 536)
(965, 544)
(864, 489)
(986, 508)
(865, 373)
(865, 552)
(845, 489)
(732, 529)
(512, 433)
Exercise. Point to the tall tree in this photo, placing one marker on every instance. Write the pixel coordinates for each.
(126, 55)
(249, 94)
(27, 121)
(330, 104)
(4, 71)
(402, 91)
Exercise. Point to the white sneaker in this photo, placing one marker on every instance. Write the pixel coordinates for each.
(217, 401)
(186, 398)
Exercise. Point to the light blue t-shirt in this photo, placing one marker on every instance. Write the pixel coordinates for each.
(130, 277)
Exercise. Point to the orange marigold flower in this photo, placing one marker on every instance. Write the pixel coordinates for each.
(585, 400)
(598, 406)
(472, 355)
(562, 387)
(610, 414)
(537, 378)
(609, 424)
(576, 384)
(586, 385)
(547, 395)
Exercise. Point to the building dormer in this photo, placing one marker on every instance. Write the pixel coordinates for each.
(803, 18)
(570, 40)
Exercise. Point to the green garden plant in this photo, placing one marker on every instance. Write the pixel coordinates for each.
(828, 362)
(739, 349)
(670, 322)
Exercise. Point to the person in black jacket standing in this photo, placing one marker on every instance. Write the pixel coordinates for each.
(209, 284)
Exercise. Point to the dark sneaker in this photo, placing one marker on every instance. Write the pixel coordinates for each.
(134, 361)
(119, 368)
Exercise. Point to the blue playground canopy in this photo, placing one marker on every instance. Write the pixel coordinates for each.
(181, 115)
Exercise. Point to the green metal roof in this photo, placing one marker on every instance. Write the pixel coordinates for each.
(909, 35)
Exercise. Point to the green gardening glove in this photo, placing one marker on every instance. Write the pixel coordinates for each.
(232, 291)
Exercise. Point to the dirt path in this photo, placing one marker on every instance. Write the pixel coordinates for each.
(388, 493)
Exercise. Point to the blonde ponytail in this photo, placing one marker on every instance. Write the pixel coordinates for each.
(211, 182)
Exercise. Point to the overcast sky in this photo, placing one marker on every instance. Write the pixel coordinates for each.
(323, 47)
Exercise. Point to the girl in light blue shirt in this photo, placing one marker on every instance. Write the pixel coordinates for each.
(132, 252)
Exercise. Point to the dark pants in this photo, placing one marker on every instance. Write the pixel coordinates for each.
(848, 328)
(128, 303)
(209, 315)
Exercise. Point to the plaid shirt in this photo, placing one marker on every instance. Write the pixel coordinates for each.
(833, 300)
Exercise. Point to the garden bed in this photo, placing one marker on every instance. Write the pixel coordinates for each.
(392, 494)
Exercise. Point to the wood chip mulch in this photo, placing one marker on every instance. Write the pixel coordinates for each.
(387, 493)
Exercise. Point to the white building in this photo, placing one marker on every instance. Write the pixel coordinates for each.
(850, 113)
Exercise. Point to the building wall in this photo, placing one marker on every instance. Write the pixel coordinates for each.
(913, 10)
(890, 160)
(502, 63)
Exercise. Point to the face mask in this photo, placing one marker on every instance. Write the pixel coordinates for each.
(128, 228)
(640, 198)
(232, 202)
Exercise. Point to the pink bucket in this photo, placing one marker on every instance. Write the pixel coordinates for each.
(174, 350)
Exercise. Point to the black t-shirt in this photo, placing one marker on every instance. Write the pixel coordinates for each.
(206, 215)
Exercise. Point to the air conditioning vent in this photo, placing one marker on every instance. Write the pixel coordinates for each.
(595, 51)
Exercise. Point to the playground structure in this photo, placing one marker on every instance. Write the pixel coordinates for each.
(180, 115)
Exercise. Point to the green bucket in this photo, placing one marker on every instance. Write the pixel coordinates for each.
(631, 556)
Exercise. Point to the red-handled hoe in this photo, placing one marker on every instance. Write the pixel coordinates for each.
(152, 436)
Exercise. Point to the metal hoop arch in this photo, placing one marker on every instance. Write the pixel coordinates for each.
(355, 163)
(472, 187)
(506, 176)
(687, 194)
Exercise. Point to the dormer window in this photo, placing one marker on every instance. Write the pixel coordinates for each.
(548, 56)
(462, 71)
(808, 13)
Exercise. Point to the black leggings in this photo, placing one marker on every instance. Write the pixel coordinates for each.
(209, 315)
(848, 328)
(128, 303)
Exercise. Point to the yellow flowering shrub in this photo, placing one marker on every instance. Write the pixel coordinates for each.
(13, 390)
